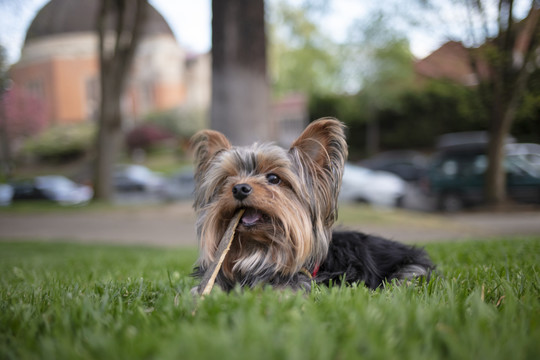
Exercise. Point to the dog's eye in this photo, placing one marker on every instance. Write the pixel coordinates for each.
(273, 179)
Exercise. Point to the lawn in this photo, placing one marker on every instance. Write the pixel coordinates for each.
(69, 301)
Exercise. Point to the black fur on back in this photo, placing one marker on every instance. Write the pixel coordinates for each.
(358, 257)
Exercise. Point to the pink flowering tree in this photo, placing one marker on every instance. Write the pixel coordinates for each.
(22, 115)
(25, 114)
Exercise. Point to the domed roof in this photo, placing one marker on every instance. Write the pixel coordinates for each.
(71, 16)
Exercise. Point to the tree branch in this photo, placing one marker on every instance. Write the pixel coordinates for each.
(141, 12)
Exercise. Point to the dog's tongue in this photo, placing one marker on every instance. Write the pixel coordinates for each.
(251, 217)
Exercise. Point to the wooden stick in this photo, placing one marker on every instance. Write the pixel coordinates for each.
(209, 276)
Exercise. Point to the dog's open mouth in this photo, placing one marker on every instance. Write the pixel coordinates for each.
(253, 217)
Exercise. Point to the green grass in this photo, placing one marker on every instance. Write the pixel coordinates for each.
(67, 301)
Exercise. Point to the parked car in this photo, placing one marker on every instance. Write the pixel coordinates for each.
(461, 140)
(56, 188)
(180, 186)
(136, 178)
(6, 194)
(528, 152)
(378, 188)
(408, 165)
(456, 177)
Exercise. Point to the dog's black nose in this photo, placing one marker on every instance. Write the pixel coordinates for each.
(241, 191)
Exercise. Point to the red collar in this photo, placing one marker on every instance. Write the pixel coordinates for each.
(315, 271)
(310, 275)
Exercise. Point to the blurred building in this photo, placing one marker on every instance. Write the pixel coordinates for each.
(289, 118)
(451, 62)
(59, 64)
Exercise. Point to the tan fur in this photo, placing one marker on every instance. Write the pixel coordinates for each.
(298, 212)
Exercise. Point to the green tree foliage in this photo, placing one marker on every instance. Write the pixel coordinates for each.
(377, 85)
(526, 126)
(425, 113)
(375, 62)
(379, 60)
(384, 62)
(431, 110)
(302, 58)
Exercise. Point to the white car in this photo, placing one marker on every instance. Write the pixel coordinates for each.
(180, 186)
(527, 152)
(6, 194)
(378, 188)
(136, 178)
(63, 190)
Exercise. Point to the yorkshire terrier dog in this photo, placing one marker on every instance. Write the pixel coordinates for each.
(285, 237)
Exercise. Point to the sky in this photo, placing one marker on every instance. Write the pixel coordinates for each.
(190, 21)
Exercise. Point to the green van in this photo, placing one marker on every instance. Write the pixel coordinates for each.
(456, 177)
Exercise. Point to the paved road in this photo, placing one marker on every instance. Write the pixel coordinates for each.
(163, 226)
(174, 225)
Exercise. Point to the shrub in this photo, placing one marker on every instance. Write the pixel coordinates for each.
(146, 136)
(60, 143)
(183, 123)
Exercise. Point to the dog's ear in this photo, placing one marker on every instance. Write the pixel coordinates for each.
(323, 141)
(319, 154)
(205, 145)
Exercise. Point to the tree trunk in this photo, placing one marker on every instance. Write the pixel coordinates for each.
(503, 114)
(109, 138)
(240, 94)
(5, 156)
(115, 58)
(495, 174)
(518, 57)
